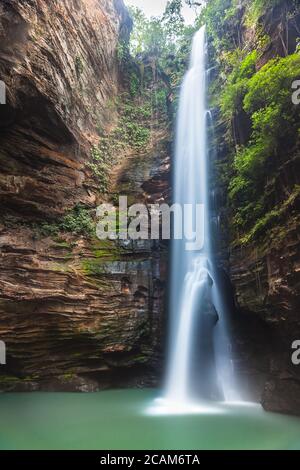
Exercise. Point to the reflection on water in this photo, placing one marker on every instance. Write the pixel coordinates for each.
(125, 420)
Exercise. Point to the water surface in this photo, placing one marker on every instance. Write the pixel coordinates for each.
(123, 420)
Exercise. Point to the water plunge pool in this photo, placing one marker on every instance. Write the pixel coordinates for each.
(125, 420)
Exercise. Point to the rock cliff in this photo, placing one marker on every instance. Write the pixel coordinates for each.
(76, 313)
(264, 269)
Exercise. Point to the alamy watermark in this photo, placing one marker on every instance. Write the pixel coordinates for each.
(296, 94)
(2, 353)
(152, 222)
(296, 353)
(2, 92)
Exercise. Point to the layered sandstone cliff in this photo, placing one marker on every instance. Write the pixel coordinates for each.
(76, 313)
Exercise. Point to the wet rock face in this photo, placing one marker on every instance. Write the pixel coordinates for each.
(88, 317)
(58, 61)
(281, 390)
(267, 286)
(265, 274)
(76, 313)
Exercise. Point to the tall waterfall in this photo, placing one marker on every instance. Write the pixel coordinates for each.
(197, 369)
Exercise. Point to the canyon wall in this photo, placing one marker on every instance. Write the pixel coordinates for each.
(264, 255)
(76, 313)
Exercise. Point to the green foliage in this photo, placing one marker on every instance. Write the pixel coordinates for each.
(161, 100)
(132, 131)
(164, 41)
(273, 217)
(274, 119)
(157, 36)
(99, 165)
(123, 53)
(173, 21)
(134, 85)
(135, 134)
(79, 67)
(260, 124)
(77, 221)
(243, 67)
(133, 126)
(272, 84)
(256, 8)
(47, 229)
(221, 20)
(147, 35)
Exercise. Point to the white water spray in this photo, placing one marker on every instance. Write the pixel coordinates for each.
(192, 285)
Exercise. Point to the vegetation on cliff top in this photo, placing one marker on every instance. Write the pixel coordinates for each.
(251, 91)
(132, 131)
(152, 66)
(163, 41)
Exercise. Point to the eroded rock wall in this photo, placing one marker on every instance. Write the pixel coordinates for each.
(265, 271)
(76, 313)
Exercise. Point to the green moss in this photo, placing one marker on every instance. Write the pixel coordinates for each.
(257, 8)
(79, 67)
(109, 247)
(78, 221)
(237, 82)
(68, 377)
(267, 101)
(31, 378)
(103, 251)
(63, 244)
(271, 218)
(6, 379)
(92, 267)
(76, 354)
(259, 125)
(61, 267)
(132, 132)
(141, 359)
(99, 165)
(122, 51)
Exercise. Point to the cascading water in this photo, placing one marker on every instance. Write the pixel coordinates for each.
(194, 371)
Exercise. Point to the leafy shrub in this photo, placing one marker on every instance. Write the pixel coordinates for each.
(256, 8)
(273, 217)
(132, 131)
(237, 83)
(78, 221)
(99, 165)
(260, 124)
(267, 100)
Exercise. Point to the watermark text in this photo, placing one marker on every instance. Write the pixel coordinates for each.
(2, 92)
(156, 222)
(296, 353)
(296, 94)
(2, 353)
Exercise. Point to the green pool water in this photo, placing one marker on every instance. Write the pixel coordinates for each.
(128, 420)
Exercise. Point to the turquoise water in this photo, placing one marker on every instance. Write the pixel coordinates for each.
(122, 420)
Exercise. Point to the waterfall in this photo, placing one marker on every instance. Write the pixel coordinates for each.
(197, 369)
